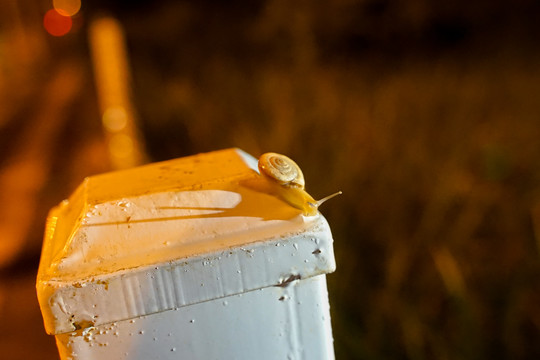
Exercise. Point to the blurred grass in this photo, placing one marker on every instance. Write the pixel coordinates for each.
(436, 152)
(426, 116)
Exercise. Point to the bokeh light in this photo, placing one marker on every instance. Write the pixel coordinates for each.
(115, 118)
(121, 146)
(57, 24)
(67, 7)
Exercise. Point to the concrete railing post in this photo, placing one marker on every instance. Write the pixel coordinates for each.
(186, 259)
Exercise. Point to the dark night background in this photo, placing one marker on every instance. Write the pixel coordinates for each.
(425, 114)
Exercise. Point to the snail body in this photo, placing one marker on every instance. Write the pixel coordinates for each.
(287, 181)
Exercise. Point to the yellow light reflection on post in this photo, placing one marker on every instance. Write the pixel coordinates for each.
(121, 146)
(115, 118)
(111, 70)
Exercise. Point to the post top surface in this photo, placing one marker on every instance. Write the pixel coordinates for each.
(129, 228)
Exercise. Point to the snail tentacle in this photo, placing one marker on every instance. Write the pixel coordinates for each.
(289, 182)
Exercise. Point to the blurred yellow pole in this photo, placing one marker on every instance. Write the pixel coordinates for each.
(111, 71)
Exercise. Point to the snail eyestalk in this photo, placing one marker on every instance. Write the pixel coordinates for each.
(314, 205)
(287, 181)
(326, 198)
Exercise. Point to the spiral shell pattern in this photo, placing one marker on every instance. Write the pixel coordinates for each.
(281, 169)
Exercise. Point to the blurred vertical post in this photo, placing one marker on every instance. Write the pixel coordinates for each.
(111, 71)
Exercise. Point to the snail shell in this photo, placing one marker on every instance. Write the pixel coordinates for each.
(288, 183)
(281, 169)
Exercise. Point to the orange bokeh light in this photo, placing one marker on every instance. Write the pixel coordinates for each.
(67, 7)
(57, 24)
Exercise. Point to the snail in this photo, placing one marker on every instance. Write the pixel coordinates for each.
(288, 182)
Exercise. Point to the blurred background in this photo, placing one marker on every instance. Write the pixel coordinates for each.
(425, 114)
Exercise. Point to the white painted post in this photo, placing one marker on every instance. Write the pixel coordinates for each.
(185, 259)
